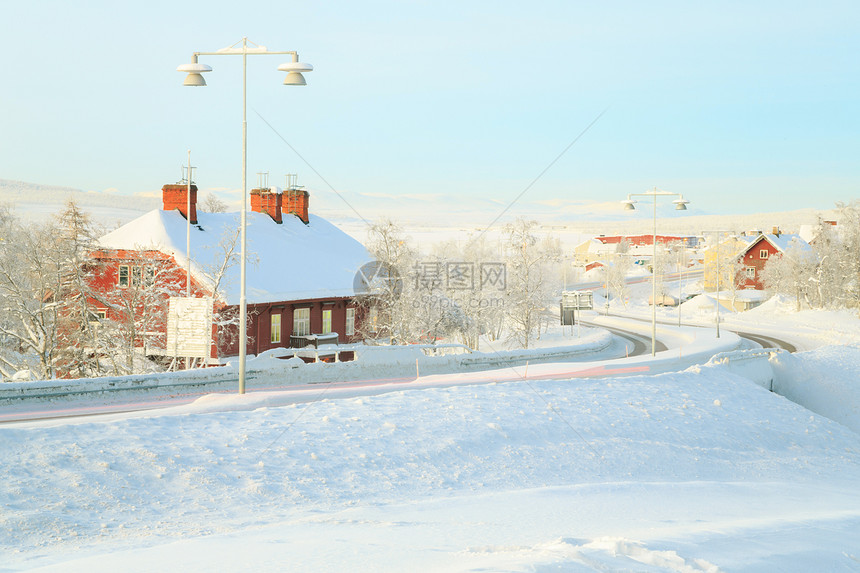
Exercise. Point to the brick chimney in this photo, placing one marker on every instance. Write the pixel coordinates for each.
(296, 202)
(267, 201)
(174, 197)
(776, 231)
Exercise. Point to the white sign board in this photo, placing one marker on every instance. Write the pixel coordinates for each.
(189, 327)
(577, 300)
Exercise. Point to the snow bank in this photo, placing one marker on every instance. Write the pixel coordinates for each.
(825, 380)
(269, 369)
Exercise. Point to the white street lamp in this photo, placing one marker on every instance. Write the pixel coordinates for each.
(719, 249)
(294, 77)
(680, 205)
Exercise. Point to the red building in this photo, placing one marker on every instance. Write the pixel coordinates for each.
(300, 273)
(648, 239)
(759, 251)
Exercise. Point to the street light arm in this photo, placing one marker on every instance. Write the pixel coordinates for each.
(231, 51)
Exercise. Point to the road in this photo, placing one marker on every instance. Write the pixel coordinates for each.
(763, 340)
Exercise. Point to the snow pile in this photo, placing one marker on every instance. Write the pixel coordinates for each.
(693, 471)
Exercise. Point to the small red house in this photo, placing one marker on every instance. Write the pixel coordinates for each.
(759, 251)
(300, 272)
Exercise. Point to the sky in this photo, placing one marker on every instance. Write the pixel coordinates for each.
(742, 107)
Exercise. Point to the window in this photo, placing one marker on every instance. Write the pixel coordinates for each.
(326, 322)
(276, 328)
(135, 276)
(762, 254)
(302, 321)
(350, 322)
(123, 276)
(750, 272)
(95, 319)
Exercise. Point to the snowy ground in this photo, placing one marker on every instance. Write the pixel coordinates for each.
(698, 470)
(692, 471)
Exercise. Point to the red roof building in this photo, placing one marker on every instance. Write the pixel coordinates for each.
(300, 273)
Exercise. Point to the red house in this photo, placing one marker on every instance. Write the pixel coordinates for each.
(759, 251)
(300, 272)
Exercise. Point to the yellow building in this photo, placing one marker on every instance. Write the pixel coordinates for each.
(727, 252)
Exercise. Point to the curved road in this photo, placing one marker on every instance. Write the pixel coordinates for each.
(637, 344)
(765, 341)
(641, 343)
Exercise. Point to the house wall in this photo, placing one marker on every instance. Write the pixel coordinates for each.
(260, 324)
(752, 258)
(118, 302)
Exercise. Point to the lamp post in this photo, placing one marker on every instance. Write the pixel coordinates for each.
(680, 205)
(294, 77)
(718, 255)
(682, 255)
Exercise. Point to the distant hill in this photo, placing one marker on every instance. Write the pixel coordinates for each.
(424, 215)
(34, 201)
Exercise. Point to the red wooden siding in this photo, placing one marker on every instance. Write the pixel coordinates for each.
(752, 258)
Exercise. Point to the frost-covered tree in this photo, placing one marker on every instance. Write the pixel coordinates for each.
(48, 322)
(618, 266)
(832, 278)
(137, 312)
(529, 292)
(385, 305)
(791, 273)
(846, 253)
(78, 332)
(30, 278)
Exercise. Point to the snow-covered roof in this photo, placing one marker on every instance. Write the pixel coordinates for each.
(808, 232)
(784, 241)
(597, 247)
(290, 261)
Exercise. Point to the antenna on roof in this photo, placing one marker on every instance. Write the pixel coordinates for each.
(183, 179)
(292, 182)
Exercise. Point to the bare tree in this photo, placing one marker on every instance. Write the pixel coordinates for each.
(212, 204)
(226, 256)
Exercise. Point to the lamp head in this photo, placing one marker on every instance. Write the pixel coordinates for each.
(680, 204)
(294, 71)
(295, 79)
(628, 204)
(195, 71)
